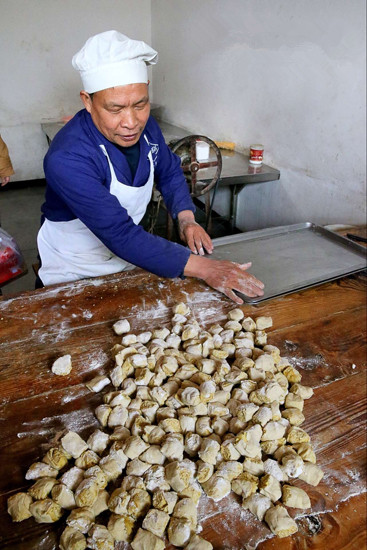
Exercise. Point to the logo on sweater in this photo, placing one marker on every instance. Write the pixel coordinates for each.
(154, 147)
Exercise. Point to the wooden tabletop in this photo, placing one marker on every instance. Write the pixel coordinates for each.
(322, 331)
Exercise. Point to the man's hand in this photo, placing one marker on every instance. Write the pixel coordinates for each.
(193, 234)
(225, 276)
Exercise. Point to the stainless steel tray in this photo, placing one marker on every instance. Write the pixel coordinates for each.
(292, 257)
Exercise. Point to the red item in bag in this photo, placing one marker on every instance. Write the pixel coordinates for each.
(11, 259)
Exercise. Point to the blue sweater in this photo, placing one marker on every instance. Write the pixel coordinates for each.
(78, 181)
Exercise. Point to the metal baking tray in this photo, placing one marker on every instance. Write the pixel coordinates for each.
(292, 257)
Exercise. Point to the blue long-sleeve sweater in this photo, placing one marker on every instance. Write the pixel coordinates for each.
(78, 181)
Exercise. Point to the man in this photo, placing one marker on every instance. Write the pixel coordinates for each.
(100, 170)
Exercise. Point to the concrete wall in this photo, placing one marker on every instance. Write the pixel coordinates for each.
(37, 41)
(290, 75)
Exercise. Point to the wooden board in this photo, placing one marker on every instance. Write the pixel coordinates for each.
(322, 331)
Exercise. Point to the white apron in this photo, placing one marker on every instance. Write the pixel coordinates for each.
(70, 251)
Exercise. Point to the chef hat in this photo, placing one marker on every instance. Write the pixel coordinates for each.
(112, 59)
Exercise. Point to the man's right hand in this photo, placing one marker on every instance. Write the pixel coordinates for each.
(225, 276)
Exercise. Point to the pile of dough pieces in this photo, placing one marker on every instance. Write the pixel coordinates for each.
(191, 411)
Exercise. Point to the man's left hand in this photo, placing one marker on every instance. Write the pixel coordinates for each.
(193, 234)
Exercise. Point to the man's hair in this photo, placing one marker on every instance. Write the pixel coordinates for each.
(91, 95)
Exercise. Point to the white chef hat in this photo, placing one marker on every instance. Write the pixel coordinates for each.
(112, 59)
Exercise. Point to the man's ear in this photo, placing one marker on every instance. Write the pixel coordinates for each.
(87, 100)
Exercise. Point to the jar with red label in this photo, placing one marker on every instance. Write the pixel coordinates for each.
(256, 154)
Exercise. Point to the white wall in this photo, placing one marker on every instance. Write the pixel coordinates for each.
(37, 41)
(290, 75)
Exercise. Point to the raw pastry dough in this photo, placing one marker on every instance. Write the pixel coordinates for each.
(18, 506)
(145, 540)
(279, 521)
(72, 539)
(62, 366)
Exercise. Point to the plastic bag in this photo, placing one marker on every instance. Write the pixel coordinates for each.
(11, 260)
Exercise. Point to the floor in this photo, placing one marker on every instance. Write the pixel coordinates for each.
(20, 212)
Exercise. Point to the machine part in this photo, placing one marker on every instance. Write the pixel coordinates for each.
(185, 148)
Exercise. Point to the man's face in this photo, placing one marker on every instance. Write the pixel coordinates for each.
(119, 113)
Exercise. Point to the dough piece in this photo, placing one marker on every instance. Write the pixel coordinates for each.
(294, 416)
(245, 484)
(306, 452)
(100, 538)
(179, 531)
(257, 504)
(292, 375)
(197, 543)
(121, 527)
(279, 521)
(129, 339)
(72, 539)
(86, 493)
(153, 455)
(270, 487)
(295, 497)
(98, 383)
(263, 415)
(260, 338)
(87, 459)
(192, 444)
(99, 477)
(144, 337)
(118, 501)
(121, 327)
(173, 447)
(217, 487)
(186, 508)
(137, 467)
(264, 322)
(297, 435)
(229, 451)
(254, 466)
(170, 425)
(102, 413)
(45, 511)
(193, 491)
(145, 540)
(245, 411)
(187, 423)
(62, 366)
(40, 469)
(56, 457)
(209, 450)
(81, 519)
(305, 392)
(134, 447)
(272, 467)
(273, 430)
(204, 471)
(42, 488)
(101, 504)
(73, 444)
(72, 478)
(203, 426)
(165, 500)
(293, 401)
(18, 506)
(265, 362)
(229, 469)
(154, 479)
(156, 522)
(139, 503)
(220, 426)
(179, 474)
(98, 441)
(311, 474)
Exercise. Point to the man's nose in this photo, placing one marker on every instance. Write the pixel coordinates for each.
(129, 119)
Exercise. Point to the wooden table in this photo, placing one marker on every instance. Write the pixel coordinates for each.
(321, 330)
